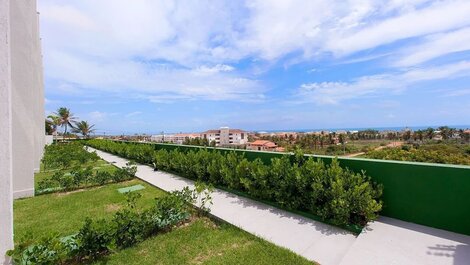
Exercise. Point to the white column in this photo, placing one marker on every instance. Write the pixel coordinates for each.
(24, 72)
(6, 176)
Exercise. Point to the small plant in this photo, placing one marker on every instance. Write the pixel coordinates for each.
(102, 177)
(129, 228)
(47, 251)
(131, 199)
(202, 194)
(94, 239)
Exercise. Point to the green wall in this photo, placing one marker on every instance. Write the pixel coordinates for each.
(434, 195)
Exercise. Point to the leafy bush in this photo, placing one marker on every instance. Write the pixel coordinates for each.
(46, 252)
(128, 227)
(78, 177)
(102, 177)
(94, 239)
(294, 182)
(64, 155)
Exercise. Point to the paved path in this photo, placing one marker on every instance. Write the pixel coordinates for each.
(391, 241)
(386, 241)
(313, 240)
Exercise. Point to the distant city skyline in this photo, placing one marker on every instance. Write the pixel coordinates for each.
(393, 128)
(258, 65)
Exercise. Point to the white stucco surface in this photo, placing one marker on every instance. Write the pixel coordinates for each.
(6, 181)
(21, 109)
(27, 95)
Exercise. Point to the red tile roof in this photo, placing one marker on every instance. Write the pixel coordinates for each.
(263, 143)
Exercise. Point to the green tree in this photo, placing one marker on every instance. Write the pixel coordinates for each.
(54, 122)
(66, 118)
(83, 128)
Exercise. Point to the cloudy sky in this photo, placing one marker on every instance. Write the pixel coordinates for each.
(151, 66)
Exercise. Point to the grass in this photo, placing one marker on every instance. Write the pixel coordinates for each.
(64, 213)
(201, 241)
(204, 241)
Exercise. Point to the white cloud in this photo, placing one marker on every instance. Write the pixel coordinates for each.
(336, 92)
(435, 46)
(438, 17)
(167, 51)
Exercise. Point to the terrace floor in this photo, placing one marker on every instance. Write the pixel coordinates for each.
(386, 241)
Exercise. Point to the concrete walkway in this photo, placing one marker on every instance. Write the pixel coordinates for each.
(313, 240)
(385, 241)
(391, 241)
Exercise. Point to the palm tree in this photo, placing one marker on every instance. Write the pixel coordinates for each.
(66, 118)
(83, 128)
(54, 122)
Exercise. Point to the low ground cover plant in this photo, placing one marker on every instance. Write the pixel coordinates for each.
(80, 178)
(129, 226)
(336, 194)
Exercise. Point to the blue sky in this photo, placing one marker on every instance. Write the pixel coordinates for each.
(182, 66)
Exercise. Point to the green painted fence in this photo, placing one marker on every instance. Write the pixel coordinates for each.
(434, 195)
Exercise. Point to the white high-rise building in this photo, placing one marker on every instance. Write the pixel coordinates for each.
(226, 136)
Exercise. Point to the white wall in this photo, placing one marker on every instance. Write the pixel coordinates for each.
(6, 181)
(27, 95)
(21, 109)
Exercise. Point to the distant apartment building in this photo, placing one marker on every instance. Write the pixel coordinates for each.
(177, 138)
(226, 136)
(162, 138)
(279, 134)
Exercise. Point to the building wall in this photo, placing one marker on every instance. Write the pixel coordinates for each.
(21, 109)
(27, 95)
(6, 173)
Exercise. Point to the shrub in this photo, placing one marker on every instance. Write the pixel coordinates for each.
(94, 239)
(294, 182)
(46, 184)
(128, 227)
(47, 251)
(102, 177)
(64, 155)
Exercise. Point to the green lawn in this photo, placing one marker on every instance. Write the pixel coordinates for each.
(202, 241)
(64, 213)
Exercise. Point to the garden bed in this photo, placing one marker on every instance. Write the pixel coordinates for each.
(199, 241)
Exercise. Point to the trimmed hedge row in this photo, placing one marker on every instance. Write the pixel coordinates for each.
(338, 195)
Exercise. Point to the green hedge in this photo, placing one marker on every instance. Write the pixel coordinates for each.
(428, 194)
(336, 194)
(434, 195)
